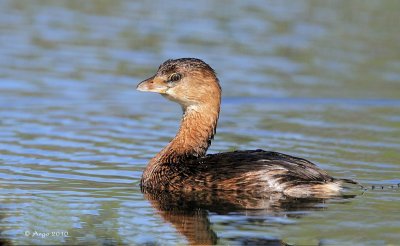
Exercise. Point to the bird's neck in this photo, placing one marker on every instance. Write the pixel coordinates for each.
(194, 136)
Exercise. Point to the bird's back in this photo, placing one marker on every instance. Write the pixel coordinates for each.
(255, 171)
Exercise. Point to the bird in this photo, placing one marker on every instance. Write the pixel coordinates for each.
(183, 165)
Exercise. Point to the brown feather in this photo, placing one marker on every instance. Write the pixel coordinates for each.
(182, 164)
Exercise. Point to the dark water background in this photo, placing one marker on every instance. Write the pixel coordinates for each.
(315, 79)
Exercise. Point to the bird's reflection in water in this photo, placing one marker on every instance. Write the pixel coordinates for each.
(189, 212)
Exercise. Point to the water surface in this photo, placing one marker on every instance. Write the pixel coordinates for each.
(319, 80)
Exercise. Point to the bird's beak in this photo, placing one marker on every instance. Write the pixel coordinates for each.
(153, 84)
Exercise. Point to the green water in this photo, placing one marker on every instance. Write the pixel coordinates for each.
(319, 80)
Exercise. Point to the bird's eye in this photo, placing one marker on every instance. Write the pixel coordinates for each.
(175, 77)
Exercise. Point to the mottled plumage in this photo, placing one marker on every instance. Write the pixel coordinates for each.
(182, 164)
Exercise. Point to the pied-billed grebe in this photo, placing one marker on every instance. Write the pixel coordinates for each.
(183, 165)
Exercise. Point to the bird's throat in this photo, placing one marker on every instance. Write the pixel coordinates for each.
(194, 136)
